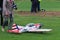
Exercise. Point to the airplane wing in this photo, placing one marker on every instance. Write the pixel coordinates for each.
(40, 30)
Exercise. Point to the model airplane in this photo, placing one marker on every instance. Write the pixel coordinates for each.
(31, 27)
(36, 28)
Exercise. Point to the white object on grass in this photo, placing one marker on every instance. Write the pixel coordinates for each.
(40, 30)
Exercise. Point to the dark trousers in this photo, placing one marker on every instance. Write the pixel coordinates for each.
(33, 7)
(1, 17)
(38, 6)
(9, 19)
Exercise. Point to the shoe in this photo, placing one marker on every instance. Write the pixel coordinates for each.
(2, 29)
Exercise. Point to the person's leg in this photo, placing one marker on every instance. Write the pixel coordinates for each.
(35, 7)
(11, 22)
(5, 19)
(38, 6)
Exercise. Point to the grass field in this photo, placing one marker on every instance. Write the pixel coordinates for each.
(49, 5)
(52, 22)
(48, 22)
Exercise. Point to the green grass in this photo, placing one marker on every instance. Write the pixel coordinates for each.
(48, 5)
(48, 22)
(52, 22)
(51, 6)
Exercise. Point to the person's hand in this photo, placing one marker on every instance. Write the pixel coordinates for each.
(7, 14)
